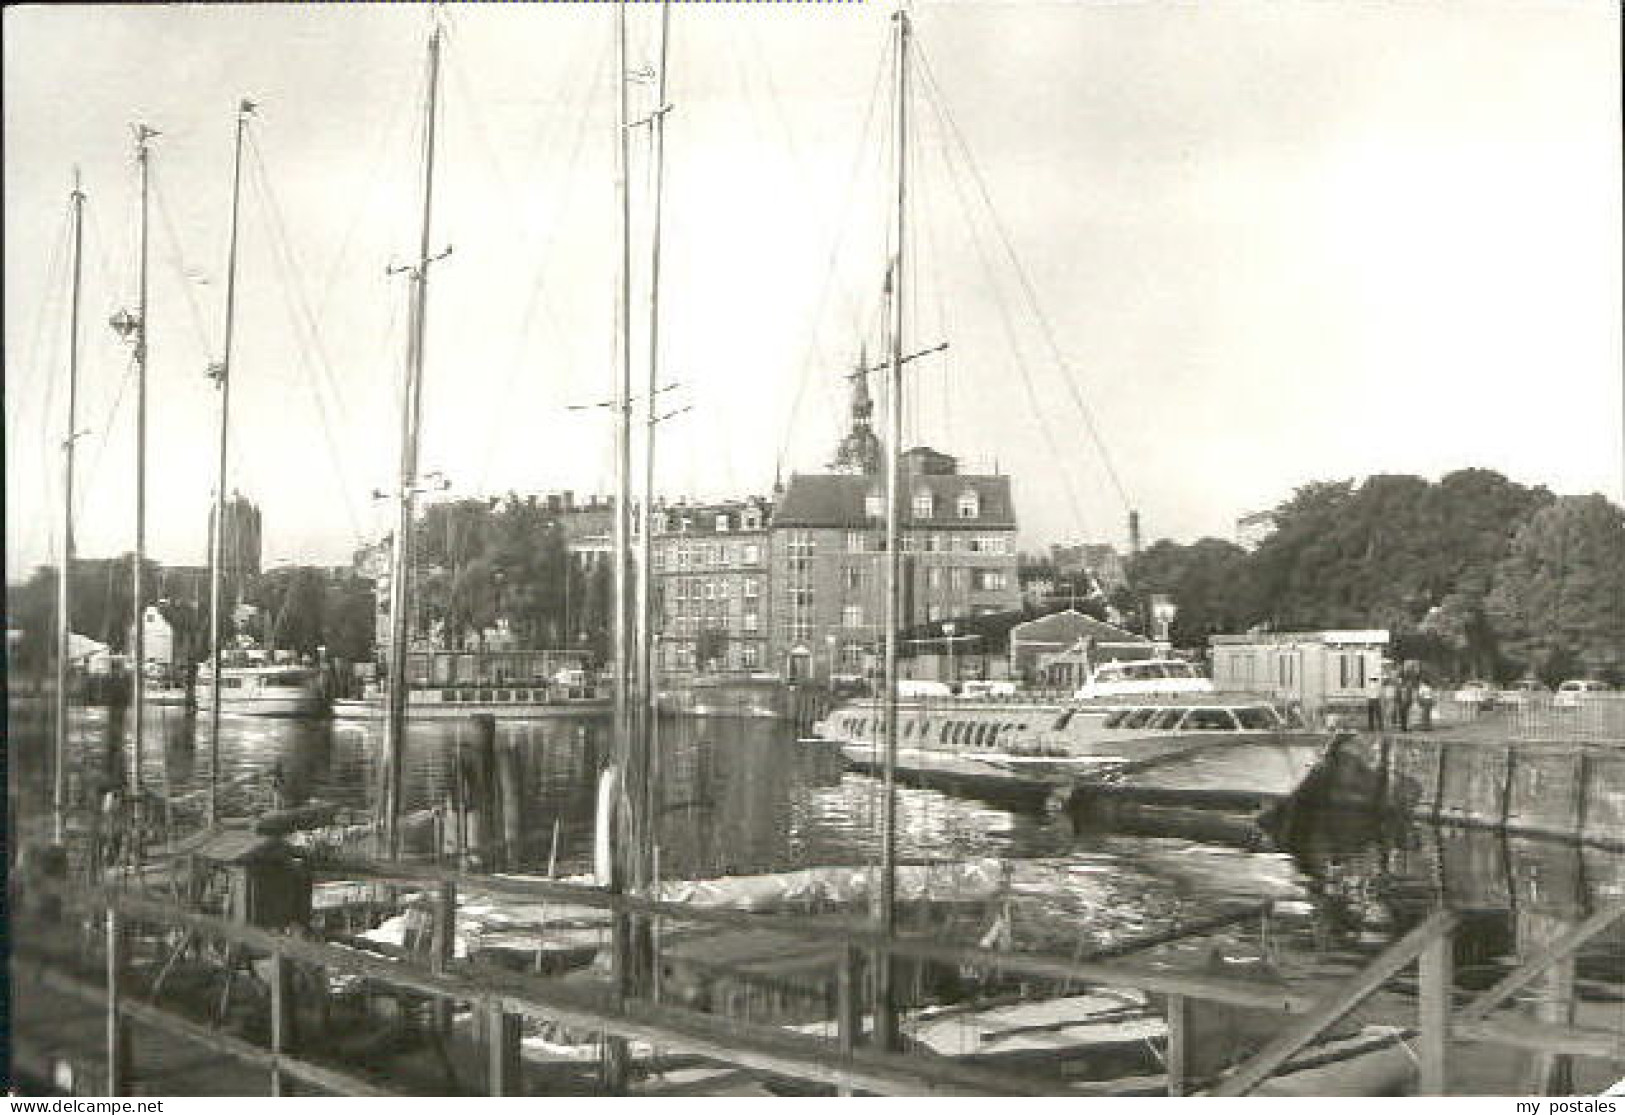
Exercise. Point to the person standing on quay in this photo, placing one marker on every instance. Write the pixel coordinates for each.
(1388, 700)
(1424, 702)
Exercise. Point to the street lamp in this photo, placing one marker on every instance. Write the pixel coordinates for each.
(948, 633)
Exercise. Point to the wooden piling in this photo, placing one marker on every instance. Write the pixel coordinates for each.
(279, 1007)
(502, 1051)
(1436, 970)
(1179, 1051)
(442, 949)
(118, 1030)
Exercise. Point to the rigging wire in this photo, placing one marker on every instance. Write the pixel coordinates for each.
(1012, 335)
(804, 374)
(1069, 376)
(49, 313)
(300, 315)
(543, 279)
(177, 262)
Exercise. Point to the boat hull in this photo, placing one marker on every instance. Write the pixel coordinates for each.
(302, 706)
(373, 708)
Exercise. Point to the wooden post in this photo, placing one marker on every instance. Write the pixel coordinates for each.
(1438, 780)
(502, 1050)
(1506, 787)
(1437, 976)
(442, 949)
(118, 1032)
(279, 1007)
(849, 1006)
(1383, 795)
(1582, 789)
(1179, 1021)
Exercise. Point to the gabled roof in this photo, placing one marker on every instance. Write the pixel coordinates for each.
(1065, 629)
(838, 501)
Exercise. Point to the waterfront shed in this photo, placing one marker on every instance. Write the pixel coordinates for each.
(246, 877)
(1318, 670)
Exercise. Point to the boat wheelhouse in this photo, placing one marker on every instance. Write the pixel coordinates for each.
(290, 691)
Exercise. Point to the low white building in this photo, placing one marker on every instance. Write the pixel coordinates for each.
(1318, 670)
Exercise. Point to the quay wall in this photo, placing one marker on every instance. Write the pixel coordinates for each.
(1573, 791)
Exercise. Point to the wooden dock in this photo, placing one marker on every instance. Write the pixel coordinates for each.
(106, 961)
(1562, 790)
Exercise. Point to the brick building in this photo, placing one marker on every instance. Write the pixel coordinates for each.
(712, 586)
(959, 559)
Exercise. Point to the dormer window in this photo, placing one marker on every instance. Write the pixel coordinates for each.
(925, 505)
(874, 505)
(753, 519)
(969, 506)
(722, 523)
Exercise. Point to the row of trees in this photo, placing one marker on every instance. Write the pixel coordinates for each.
(1475, 574)
(484, 561)
(297, 608)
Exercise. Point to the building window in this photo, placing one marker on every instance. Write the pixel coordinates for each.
(958, 579)
(753, 519)
(856, 542)
(852, 657)
(722, 524)
(969, 507)
(933, 577)
(750, 656)
(751, 622)
(990, 579)
(752, 554)
(925, 505)
(852, 615)
(852, 578)
(874, 505)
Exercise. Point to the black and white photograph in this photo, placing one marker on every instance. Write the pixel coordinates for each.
(814, 549)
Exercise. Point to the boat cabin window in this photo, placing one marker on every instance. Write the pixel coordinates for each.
(288, 677)
(1063, 720)
(1136, 718)
(1257, 719)
(1209, 720)
(1115, 720)
(1165, 719)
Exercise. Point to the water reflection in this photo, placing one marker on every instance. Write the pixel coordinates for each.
(742, 797)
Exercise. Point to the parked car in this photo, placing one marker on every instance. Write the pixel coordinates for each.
(1571, 693)
(1522, 692)
(1475, 694)
(976, 688)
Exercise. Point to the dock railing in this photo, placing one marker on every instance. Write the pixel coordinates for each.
(843, 1062)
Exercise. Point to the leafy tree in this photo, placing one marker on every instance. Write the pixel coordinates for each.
(1558, 597)
(1207, 581)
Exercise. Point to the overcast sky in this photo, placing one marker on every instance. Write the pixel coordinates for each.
(1272, 242)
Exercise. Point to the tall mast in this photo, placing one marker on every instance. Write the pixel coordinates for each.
(63, 620)
(649, 757)
(885, 1020)
(222, 374)
(411, 421)
(623, 857)
(623, 448)
(138, 639)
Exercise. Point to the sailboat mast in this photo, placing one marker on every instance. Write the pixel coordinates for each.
(649, 756)
(138, 638)
(885, 1020)
(623, 695)
(63, 619)
(218, 535)
(411, 423)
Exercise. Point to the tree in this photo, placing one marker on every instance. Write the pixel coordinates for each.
(1207, 581)
(1558, 598)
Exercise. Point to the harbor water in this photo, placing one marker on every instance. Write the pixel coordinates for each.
(746, 797)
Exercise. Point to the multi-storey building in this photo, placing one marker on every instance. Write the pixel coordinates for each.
(712, 585)
(958, 559)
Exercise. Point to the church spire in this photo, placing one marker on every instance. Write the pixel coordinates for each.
(859, 452)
